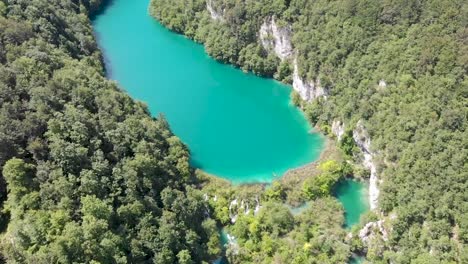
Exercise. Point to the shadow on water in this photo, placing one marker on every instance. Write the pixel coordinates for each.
(100, 10)
(356, 259)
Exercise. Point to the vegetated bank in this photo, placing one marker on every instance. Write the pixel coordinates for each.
(388, 78)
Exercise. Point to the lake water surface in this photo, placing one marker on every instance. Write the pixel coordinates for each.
(237, 126)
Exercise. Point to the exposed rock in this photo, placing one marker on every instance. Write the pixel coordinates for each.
(213, 13)
(307, 90)
(382, 84)
(257, 206)
(233, 211)
(362, 139)
(236, 207)
(338, 129)
(371, 229)
(276, 38)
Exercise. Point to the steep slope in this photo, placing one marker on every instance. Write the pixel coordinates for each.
(87, 175)
(388, 76)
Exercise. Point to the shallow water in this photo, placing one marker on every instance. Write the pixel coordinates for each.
(354, 197)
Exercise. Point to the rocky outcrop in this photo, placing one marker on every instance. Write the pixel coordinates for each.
(362, 140)
(276, 38)
(215, 15)
(382, 84)
(376, 230)
(233, 211)
(257, 206)
(338, 129)
(308, 90)
(236, 207)
(371, 230)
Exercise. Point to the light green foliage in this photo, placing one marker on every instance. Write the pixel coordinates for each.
(2, 8)
(275, 192)
(322, 184)
(19, 177)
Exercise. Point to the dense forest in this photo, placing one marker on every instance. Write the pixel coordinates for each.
(397, 67)
(90, 176)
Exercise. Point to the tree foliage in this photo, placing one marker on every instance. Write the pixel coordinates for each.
(87, 176)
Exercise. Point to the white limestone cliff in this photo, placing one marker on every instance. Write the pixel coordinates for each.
(308, 90)
(362, 140)
(233, 211)
(213, 13)
(370, 230)
(382, 84)
(276, 38)
(338, 129)
(244, 206)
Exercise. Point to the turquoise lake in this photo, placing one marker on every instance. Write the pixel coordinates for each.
(354, 197)
(237, 126)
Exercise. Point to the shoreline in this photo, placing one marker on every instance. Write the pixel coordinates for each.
(291, 180)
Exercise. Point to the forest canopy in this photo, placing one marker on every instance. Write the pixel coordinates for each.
(399, 67)
(91, 177)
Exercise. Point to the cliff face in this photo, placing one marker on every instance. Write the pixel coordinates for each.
(338, 129)
(309, 90)
(277, 39)
(215, 15)
(362, 140)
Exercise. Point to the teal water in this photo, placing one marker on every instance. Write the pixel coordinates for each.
(236, 125)
(353, 195)
(356, 260)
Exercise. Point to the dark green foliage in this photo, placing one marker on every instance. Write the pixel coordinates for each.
(90, 176)
(416, 117)
(347, 144)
